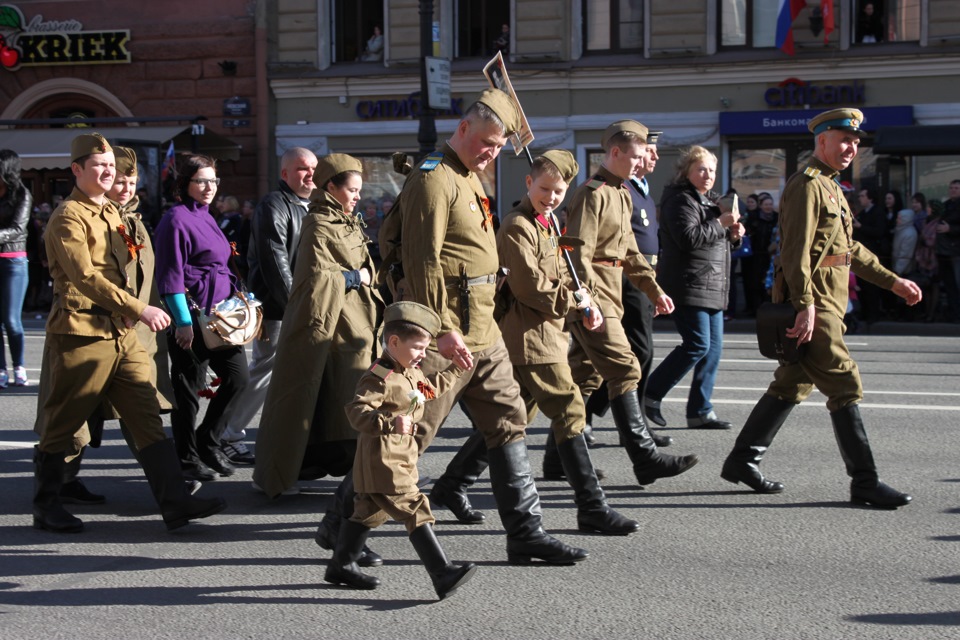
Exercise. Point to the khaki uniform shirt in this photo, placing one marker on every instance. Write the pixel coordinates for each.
(386, 462)
(811, 206)
(445, 224)
(599, 214)
(92, 291)
(540, 289)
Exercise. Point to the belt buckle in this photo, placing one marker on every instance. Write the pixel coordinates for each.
(847, 259)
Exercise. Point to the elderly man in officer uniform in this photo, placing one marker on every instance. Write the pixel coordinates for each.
(95, 350)
(816, 228)
(449, 258)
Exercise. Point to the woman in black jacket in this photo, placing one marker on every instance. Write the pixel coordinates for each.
(694, 270)
(15, 207)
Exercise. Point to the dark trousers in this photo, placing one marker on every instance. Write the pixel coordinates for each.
(189, 372)
(637, 322)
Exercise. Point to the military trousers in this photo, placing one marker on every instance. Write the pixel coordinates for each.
(825, 362)
(85, 371)
(374, 509)
(490, 393)
(550, 388)
(608, 353)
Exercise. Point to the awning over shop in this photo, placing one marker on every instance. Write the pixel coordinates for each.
(50, 148)
(932, 140)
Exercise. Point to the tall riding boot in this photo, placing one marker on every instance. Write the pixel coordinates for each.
(743, 463)
(446, 576)
(595, 404)
(593, 513)
(648, 463)
(450, 490)
(553, 468)
(519, 505)
(342, 509)
(866, 487)
(162, 468)
(73, 491)
(342, 568)
(48, 511)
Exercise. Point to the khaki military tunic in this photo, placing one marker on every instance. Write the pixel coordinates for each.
(94, 356)
(446, 224)
(385, 469)
(811, 207)
(540, 298)
(327, 341)
(599, 214)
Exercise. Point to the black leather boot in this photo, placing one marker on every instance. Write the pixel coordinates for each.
(865, 487)
(161, 466)
(446, 576)
(553, 468)
(342, 568)
(73, 491)
(593, 513)
(48, 511)
(450, 490)
(519, 505)
(743, 463)
(595, 404)
(342, 509)
(649, 464)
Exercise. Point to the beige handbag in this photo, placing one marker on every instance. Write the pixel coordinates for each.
(232, 322)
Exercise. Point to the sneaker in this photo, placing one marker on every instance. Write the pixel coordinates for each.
(19, 377)
(4, 379)
(237, 452)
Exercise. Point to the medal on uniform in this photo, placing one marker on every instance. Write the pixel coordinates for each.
(833, 200)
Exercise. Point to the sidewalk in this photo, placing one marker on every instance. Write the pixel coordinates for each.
(884, 328)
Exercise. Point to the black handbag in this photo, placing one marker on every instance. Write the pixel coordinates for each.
(774, 318)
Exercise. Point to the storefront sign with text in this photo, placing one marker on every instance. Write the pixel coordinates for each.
(794, 92)
(56, 42)
(406, 108)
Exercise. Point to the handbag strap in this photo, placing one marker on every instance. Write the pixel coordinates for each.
(823, 254)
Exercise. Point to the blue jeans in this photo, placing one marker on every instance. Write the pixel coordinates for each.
(13, 290)
(702, 333)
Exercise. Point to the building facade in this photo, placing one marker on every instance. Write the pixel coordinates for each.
(705, 72)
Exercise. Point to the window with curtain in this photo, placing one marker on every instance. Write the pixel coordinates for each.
(613, 26)
(357, 30)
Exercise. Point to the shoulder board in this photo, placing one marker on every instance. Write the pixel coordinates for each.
(812, 172)
(596, 183)
(380, 370)
(431, 162)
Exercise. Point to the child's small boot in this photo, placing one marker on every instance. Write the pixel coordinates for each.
(446, 577)
(343, 568)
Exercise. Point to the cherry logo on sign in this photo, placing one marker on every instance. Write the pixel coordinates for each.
(11, 22)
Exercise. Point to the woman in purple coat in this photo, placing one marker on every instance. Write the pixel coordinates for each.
(193, 273)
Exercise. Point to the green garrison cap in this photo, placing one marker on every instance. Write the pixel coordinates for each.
(631, 126)
(330, 166)
(565, 162)
(126, 161)
(414, 313)
(505, 108)
(840, 119)
(87, 143)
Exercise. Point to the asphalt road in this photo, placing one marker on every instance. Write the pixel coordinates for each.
(711, 561)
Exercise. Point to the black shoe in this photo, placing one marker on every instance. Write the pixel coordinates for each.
(446, 576)
(749, 474)
(74, 492)
(48, 512)
(667, 467)
(713, 424)
(177, 505)
(216, 460)
(458, 503)
(545, 548)
(342, 568)
(326, 538)
(606, 521)
(196, 470)
(654, 415)
(881, 496)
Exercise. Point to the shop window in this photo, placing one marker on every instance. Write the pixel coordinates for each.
(483, 28)
(886, 21)
(934, 174)
(748, 24)
(358, 30)
(613, 26)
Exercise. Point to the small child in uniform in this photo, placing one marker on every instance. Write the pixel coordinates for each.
(385, 410)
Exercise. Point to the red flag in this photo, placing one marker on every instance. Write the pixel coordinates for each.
(826, 8)
(787, 13)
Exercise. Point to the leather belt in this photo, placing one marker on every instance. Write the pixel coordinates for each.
(651, 259)
(473, 282)
(608, 262)
(95, 310)
(839, 260)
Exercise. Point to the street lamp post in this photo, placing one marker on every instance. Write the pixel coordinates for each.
(427, 134)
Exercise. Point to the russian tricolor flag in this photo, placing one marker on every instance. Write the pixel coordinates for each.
(789, 10)
(169, 167)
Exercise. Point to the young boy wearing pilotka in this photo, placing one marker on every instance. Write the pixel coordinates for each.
(388, 404)
(541, 297)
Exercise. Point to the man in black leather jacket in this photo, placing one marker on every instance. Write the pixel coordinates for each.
(274, 236)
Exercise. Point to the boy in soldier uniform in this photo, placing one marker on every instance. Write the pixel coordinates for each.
(386, 409)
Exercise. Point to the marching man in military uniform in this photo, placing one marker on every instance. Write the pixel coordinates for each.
(599, 214)
(97, 354)
(815, 223)
(449, 259)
